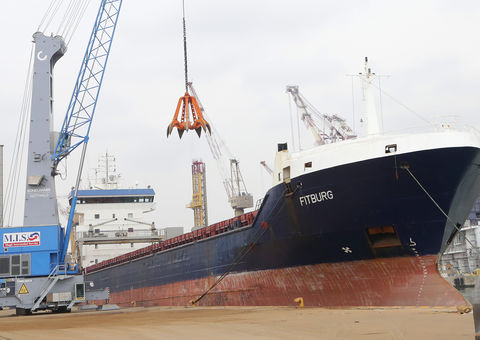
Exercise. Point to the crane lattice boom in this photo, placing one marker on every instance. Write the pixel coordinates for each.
(78, 120)
(333, 128)
(234, 185)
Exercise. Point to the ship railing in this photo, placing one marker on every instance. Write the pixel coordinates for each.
(196, 235)
(123, 232)
(438, 125)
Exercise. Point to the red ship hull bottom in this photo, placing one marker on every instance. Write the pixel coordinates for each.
(403, 281)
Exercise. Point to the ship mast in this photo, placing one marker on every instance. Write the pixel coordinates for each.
(373, 126)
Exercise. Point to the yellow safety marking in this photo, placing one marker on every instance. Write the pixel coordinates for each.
(23, 289)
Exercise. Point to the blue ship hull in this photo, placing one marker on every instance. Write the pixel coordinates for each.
(368, 214)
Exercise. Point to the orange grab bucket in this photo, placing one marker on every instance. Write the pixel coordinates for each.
(192, 117)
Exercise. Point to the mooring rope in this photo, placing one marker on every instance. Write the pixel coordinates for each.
(407, 168)
(240, 256)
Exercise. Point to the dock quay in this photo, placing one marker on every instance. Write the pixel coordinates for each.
(243, 323)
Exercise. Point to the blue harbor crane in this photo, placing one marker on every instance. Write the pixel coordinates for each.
(34, 268)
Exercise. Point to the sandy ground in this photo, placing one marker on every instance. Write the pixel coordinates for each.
(240, 323)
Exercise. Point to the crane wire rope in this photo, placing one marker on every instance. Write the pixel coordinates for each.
(69, 21)
(53, 14)
(66, 15)
(185, 47)
(47, 13)
(475, 248)
(82, 13)
(218, 148)
(74, 20)
(19, 145)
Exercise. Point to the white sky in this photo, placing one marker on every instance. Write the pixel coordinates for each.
(242, 54)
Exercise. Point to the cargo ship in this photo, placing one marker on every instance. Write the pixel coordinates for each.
(360, 222)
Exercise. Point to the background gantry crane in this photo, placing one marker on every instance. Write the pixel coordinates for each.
(233, 182)
(324, 128)
(199, 197)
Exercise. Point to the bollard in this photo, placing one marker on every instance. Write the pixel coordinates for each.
(299, 300)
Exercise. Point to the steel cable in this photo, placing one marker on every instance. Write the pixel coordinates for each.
(185, 47)
(47, 13)
(17, 155)
(52, 15)
(63, 22)
(79, 18)
(240, 256)
(439, 208)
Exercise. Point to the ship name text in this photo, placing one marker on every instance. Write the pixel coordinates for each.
(316, 197)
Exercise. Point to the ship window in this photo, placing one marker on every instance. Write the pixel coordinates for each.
(141, 199)
(279, 178)
(113, 215)
(97, 216)
(391, 148)
(118, 199)
(131, 245)
(307, 165)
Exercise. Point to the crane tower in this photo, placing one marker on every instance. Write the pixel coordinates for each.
(238, 196)
(199, 197)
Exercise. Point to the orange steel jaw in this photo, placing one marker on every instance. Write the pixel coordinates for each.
(191, 109)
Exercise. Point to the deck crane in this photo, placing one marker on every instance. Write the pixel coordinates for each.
(267, 168)
(234, 185)
(337, 128)
(33, 257)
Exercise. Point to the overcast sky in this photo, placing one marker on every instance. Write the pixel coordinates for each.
(242, 54)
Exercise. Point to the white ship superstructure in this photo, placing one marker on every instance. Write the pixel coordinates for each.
(111, 220)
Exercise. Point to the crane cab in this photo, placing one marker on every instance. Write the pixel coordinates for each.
(30, 251)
